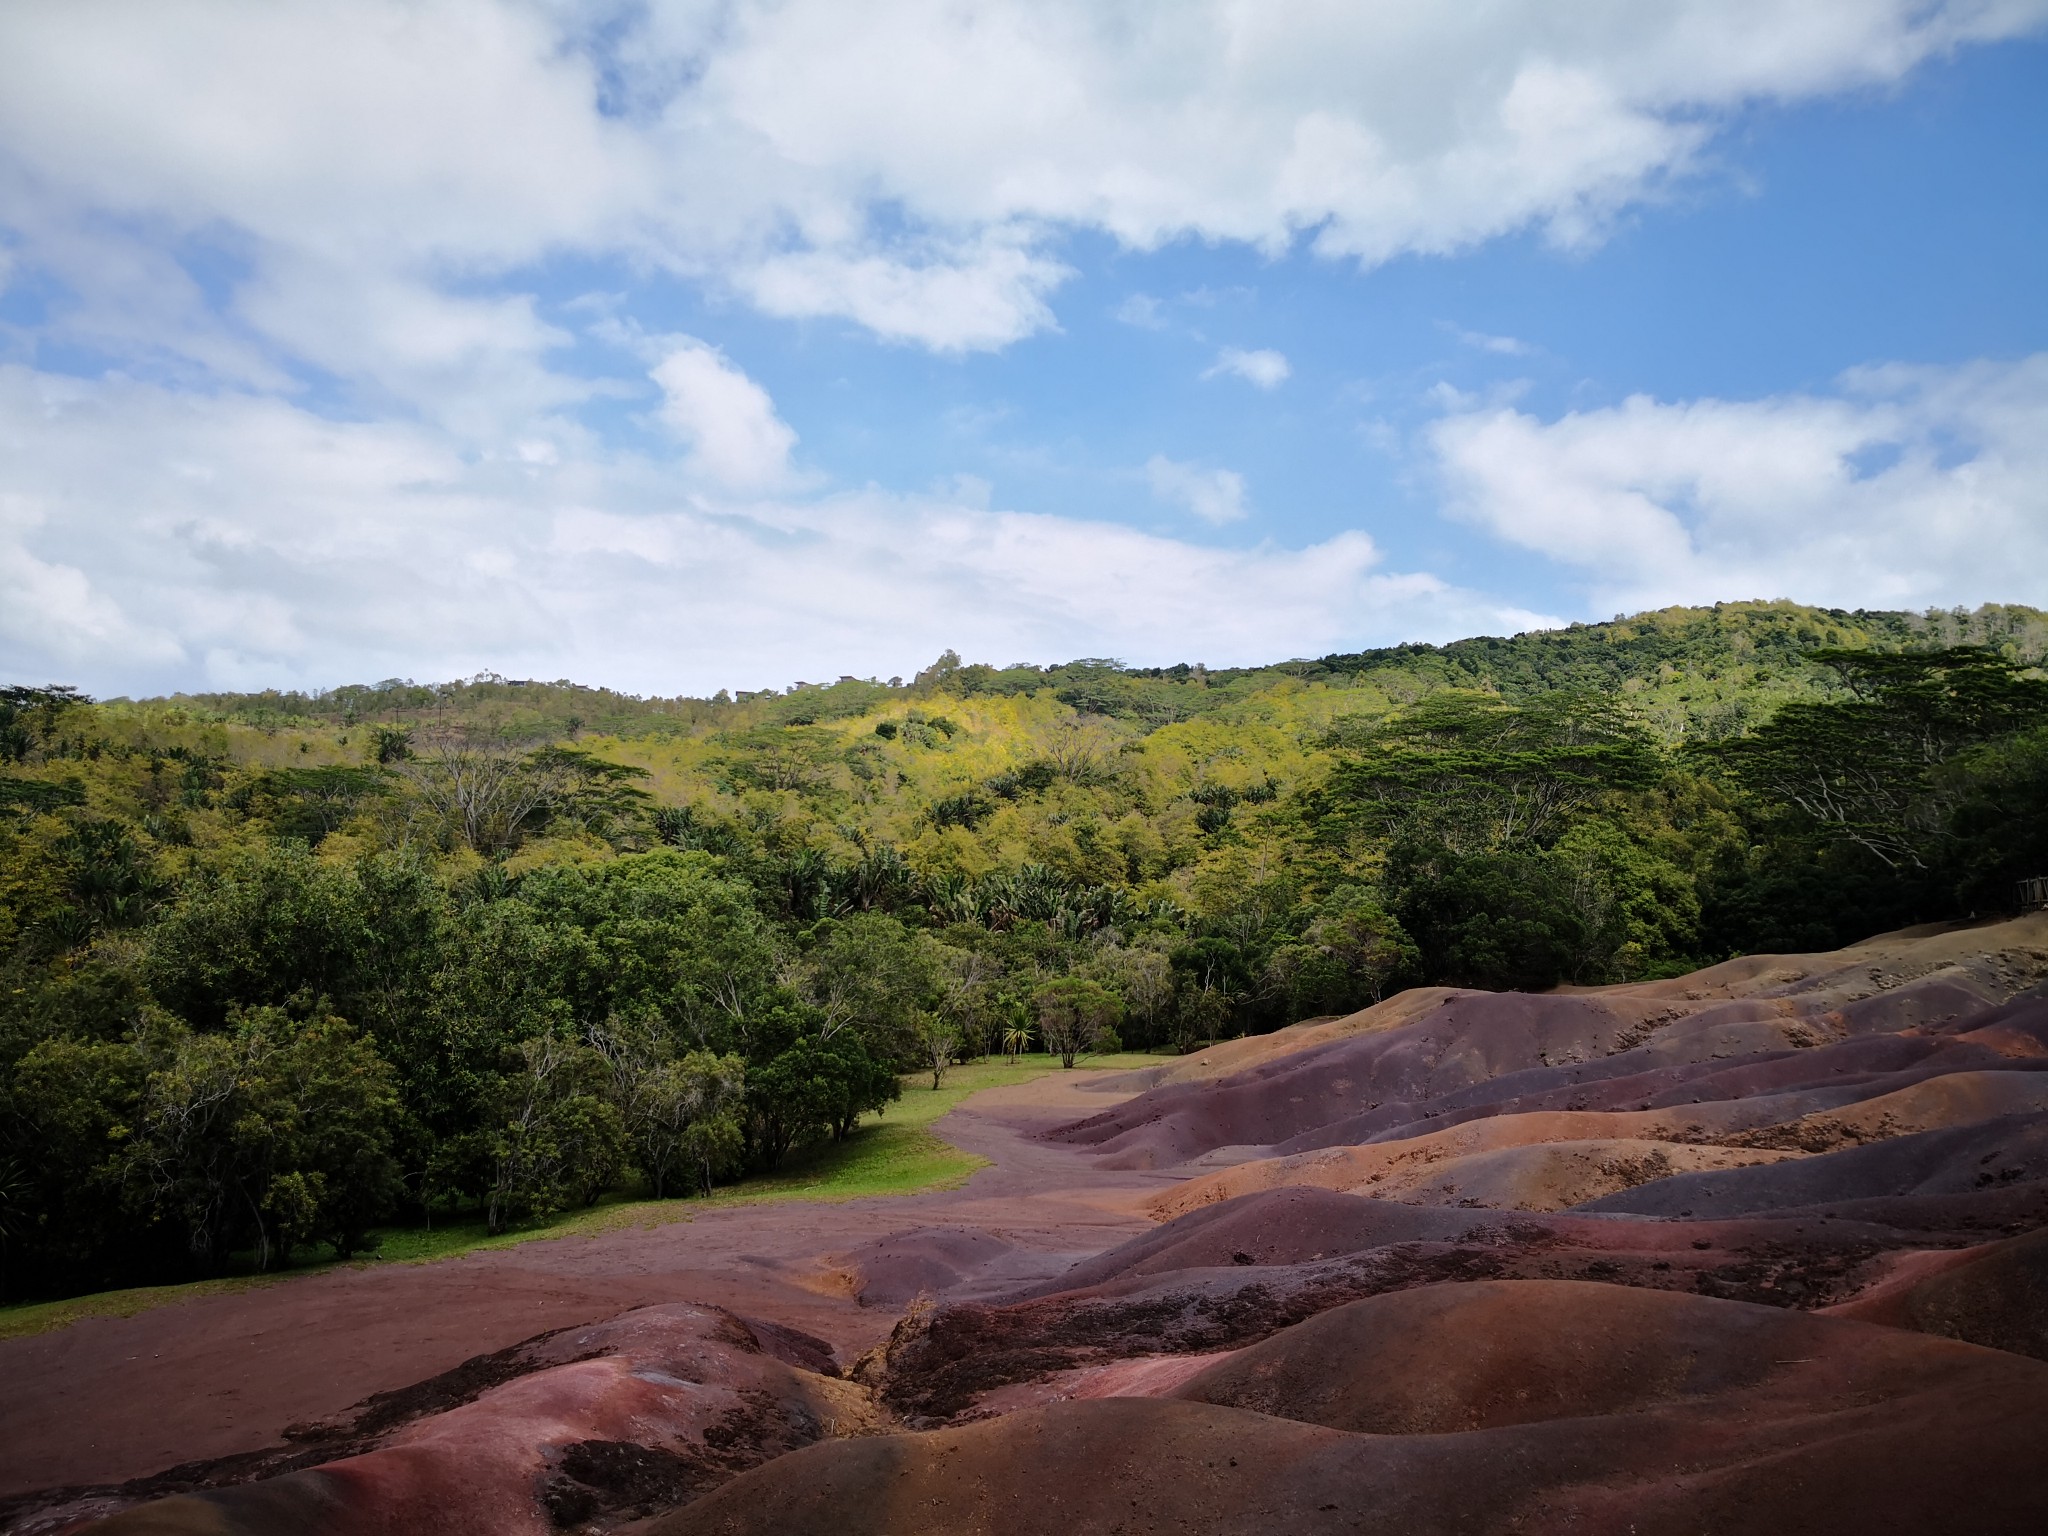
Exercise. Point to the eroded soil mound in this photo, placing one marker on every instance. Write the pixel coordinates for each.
(1759, 1249)
(1995, 1295)
(617, 1420)
(1472, 1407)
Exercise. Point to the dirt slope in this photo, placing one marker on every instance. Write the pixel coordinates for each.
(1756, 1249)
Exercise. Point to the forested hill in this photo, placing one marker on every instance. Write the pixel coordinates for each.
(279, 967)
(1690, 671)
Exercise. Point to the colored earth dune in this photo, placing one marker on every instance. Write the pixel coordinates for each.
(1758, 1249)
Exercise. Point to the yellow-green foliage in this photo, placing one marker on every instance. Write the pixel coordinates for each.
(806, 769)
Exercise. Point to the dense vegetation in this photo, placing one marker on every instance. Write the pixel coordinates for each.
(278, 969)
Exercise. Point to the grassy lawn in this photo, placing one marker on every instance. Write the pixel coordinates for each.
(894, 1153)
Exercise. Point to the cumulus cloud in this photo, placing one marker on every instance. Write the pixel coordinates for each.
(734, 435)
(240, 541)
(908, 164)
(1265, 368)
(1213, 495)
(952, 301)
(241, 212)
(1906, 486)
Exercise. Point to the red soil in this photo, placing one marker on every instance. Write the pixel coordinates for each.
(1865, 1133)
(108, 1400)
(1472, 1407)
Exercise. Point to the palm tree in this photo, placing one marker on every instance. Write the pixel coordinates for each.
(1016, 1040)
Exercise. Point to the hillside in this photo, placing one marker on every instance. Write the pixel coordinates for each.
(499, 947)
(1767, 1238)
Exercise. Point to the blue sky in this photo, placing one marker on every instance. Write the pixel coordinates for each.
(727, 342)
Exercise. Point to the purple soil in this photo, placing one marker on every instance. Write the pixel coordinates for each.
(1656, 1359)
(618, 1420)
(2010, 1150)
(107, 1400)
(1355, 1091)
(1237, 1272)
(1995, 1295)
(927, 1261)
(1487, 1407)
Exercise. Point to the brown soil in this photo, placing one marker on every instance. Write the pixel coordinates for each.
(1756, 1249)
(108, 1400)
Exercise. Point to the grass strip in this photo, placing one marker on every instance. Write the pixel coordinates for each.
(895, 1153)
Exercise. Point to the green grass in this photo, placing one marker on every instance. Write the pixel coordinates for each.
(895, 1153)
(20, 1321)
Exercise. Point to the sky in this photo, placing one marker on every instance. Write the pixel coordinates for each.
(673, 345)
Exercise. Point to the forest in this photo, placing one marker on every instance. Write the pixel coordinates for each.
(280, 971)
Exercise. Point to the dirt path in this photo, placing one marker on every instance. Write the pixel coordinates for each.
(108, 1399)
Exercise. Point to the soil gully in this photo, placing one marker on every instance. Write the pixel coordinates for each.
(1462, 1259)
(227, 1382)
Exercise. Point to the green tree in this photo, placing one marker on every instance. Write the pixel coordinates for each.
(1999, 825)
(1141, 975)
(267, 925)
(662, 933)
(266, 1135)
(555, 1136)
(687, 1117)
(939, 1038)
(1077, 1016)
(1521, 920)
(1354, 948)
(1867, 769)
(1475, 773)
(869, 974)
(71, 1112)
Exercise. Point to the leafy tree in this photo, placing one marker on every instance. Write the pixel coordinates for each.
(306, 804)
(499, 984)
(267, 925)
(686, 1118)
(1474, 772)
(29, 718)
(268, 1134)
(798, 758)
(1350, 950)
(2000, 822)
(1518, 920)
(491, 791)
(661, 933)
(1075, 1016)
(1141, 975)
(390, 743)
(971, 997)
(820, 1085)
(555, 1137)
(1631, 896)
(1867, 769)
(871, 975)
(70, 1116)
(939, 1038)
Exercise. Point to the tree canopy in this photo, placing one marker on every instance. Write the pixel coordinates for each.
(282, 969)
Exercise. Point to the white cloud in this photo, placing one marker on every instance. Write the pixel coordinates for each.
(237, 541)
(1213, 495)
(1907, 487)
(908, 164)
(959, 300)
(1265, 368)
(1140, 310)
(364, 205)
(728, 421)
(1480, 341)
